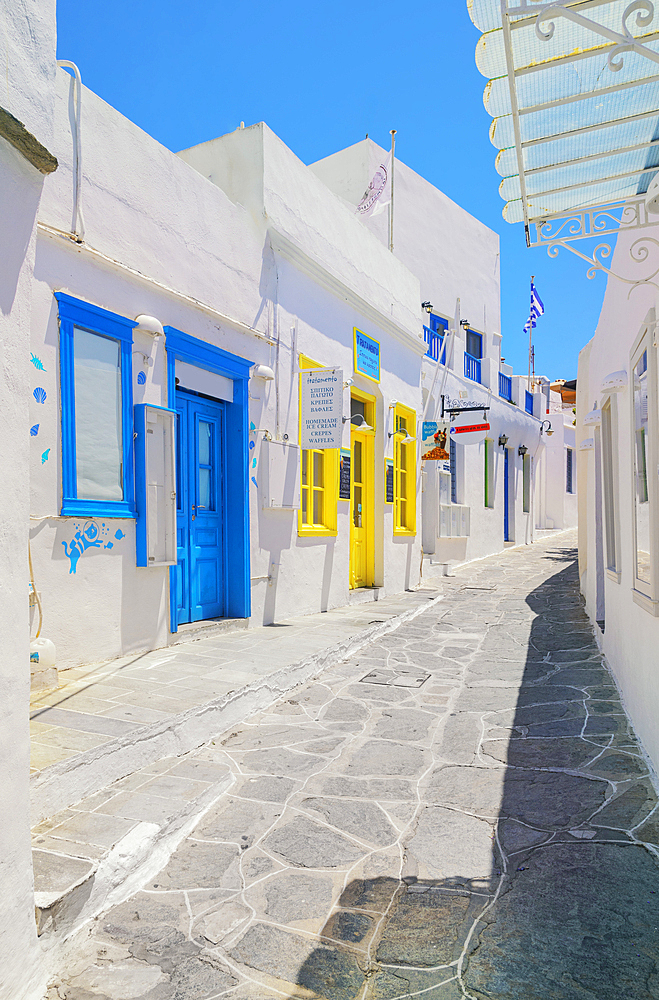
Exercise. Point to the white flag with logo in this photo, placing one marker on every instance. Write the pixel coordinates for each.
(378, 193)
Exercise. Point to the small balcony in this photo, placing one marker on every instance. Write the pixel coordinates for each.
(505, 387)
(434, 341)
(472, 368)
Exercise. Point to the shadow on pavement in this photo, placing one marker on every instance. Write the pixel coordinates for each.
(567, 908)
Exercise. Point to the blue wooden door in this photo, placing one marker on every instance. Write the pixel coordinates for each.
(201, 542)
(506, 497)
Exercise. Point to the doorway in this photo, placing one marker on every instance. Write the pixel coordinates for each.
(201, 573)
(506, 495)
(362, 494)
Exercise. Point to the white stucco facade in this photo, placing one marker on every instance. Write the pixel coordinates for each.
(27, 50)
(611, 519)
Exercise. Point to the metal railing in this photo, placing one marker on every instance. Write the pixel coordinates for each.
(434, 341)
(472, 368)
(505, 387)
(528, 401)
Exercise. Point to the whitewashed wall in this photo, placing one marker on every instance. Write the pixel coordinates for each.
(328, 275)
(451, 252)
(256, 261)
(631, 633)
(27, 54)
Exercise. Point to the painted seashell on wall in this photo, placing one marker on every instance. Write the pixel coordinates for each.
(141, 378)
(40, 394)
(37, 362)
(34, 430)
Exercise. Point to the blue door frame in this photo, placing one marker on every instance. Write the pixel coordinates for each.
(201, 577)
(180, 346)
(506, 496)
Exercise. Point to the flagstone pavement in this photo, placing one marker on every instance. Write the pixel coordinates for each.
(459, 810)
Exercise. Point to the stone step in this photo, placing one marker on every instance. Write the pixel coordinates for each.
(275, 671)
(109, 845)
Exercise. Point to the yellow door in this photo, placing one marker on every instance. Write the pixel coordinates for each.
(362, 514)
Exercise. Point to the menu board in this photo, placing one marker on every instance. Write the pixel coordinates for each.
(388, 480)
(344, 474)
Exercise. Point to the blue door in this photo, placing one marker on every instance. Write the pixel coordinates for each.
(201, 542)
(506, 497)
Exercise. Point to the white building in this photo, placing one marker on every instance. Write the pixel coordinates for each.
(27, 50)
(499, 491)
(618, 451)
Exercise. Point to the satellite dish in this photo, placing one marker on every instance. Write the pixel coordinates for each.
(652, 196)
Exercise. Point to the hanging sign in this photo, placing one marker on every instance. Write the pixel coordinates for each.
(434, 445)
(366, 356)
(344, 474)
(388, 480)
(466, 430)
(321, 408)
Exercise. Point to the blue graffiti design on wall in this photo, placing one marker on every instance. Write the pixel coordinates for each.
(37, 363)
(255, 482)
(88, 536)
(141, 378)
(34, 430)
(44, 457)
(39, 394)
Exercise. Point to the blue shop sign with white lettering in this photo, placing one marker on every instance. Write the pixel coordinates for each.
(367, 356)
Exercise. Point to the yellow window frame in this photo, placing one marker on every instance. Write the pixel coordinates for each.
(319, 480)
(404, 472)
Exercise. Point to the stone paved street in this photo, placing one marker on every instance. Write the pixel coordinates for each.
(460, 810)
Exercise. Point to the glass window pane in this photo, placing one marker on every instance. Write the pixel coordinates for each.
(357, 462)
(305, 456)
(642, 506)
(205, 488)
(99, 448)
(305, 506)
(318, 468)
(205, 432)
(317, 507)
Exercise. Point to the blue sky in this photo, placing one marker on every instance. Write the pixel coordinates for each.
(322, 76)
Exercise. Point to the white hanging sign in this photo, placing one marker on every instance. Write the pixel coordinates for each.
(321, 408)
(469, 428)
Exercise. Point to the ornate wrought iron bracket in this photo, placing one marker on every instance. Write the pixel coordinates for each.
(639, 253)
(624, 41)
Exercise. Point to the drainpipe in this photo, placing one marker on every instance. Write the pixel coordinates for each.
(77, 221)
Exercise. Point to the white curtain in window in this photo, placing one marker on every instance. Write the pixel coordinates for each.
(99, 452)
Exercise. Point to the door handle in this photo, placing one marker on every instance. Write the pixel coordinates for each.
(197, 506)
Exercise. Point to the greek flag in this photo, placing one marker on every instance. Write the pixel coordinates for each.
(537, 309)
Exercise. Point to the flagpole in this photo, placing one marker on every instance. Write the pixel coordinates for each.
(530, 331)
(391, 204)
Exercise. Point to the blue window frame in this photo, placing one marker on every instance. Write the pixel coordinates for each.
(528, 401)
(97, 410)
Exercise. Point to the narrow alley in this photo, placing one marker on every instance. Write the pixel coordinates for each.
(459, 810)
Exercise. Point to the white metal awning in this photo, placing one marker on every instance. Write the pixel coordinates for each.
(573, 90)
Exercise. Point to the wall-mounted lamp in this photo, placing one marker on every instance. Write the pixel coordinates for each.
(358, 420)
(148, 361)
(348, 382)
(264, 372)
(407, 439)
(522, 450)
(546, 430)
(427, 306)
(149, 324)
(503, 440)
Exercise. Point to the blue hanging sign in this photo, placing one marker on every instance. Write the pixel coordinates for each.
(367, 356)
